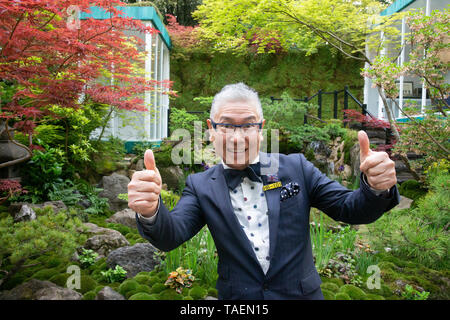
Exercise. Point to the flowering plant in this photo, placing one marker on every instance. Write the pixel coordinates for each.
(179, 279)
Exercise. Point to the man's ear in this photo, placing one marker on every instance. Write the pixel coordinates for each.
(210, 130)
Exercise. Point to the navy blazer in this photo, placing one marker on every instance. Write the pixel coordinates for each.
(292, 273)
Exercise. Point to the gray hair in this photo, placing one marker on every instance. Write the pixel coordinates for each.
(238, 92)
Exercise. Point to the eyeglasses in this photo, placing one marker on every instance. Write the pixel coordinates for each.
(228, 128)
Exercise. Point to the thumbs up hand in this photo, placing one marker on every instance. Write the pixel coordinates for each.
(145, 187)
(377, 166)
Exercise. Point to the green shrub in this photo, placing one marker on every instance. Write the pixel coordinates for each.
(128, 285)
(142, 279)
(412, 189)
(98, 289)
(158, 287)
(60, 279)
(354, 292)
(330, 286)
(44, 274)
(144, 288)
(152, 280)
(90, 295)
(87, 284)
(371, 296)
(198, 292)
(114, 275)
(142, 296)
(342, 296)
(170, 294)
(328, 295)
(213, 292)
(49, 235)
(87, 257)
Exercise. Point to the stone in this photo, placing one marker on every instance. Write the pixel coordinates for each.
(354, 160)
(107, 293)
(171, 176)
(139, 165)
(57, 206)
(39, 290)
(104, 240)
(112, 186)
(210, 298)
(127, 217)
(26, 213)
(133, 259)
(405, 203)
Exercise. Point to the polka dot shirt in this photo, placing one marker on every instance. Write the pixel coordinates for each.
(250, 207)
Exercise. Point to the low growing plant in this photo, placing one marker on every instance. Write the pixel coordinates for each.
(117, 274)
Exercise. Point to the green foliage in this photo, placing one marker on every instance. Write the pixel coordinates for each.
(48, 235)
(142, 296)
(87, 284)
(197, 292)
(342, 296)
(181, 119)
(90, 295)
(60, 279)
(419, 234)
(213, 292)
(330, 286)
(158, 287)
(39, 174)
(412, 189)
(87, 257)
(170, 294)
(114, 275)
(328, 295)
(412, 294)
(142, 279)
(128, 285)
(353, 292)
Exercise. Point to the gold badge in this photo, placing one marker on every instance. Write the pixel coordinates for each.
(272, 186)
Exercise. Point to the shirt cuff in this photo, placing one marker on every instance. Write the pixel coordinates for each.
(149, 220)
(376, 192)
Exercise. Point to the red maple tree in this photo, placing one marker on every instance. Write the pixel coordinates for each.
(50, 60)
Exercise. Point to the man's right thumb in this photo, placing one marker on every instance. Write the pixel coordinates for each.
(149, 160)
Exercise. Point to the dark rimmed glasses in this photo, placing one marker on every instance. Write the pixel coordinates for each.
(228, 128)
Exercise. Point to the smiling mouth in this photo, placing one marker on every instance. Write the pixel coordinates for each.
(237, 151)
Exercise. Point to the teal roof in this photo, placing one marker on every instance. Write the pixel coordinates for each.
(138, 13)
(396, 6)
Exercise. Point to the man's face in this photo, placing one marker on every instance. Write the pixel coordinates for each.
(238, 148)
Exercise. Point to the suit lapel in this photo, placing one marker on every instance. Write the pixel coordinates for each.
(273, 198)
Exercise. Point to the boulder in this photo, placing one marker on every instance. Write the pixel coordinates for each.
(57, 206)
(112, 186)
(354, 160)
(171, 176)
(104, 240)
(26, 213)
(107, 293)
(133, 259)
(405, 203)
(127, 217)
(39, 290)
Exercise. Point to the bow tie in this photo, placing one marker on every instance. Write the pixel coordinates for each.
(234, 177)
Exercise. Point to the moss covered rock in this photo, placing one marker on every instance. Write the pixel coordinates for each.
(170, 294)
(128, 285)
(60, 279)
(330, 286)
(44, 274)
(90, 295)
(144, 288)
(188, 298)
(213, 292)
(158, 287)
(371, 296)
(87, 284)
(328, 295)
(354, 292)
(142, 296)
(198, 292)
(342, 296)
(142, 279)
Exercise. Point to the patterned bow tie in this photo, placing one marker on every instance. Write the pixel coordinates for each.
(234, 177)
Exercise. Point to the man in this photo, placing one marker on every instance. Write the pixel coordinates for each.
(257, 205)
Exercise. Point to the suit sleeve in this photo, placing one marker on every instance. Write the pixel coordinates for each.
(172, 228)
(359, 206)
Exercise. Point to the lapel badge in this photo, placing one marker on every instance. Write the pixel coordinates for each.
(289, 190)
(272, 178)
